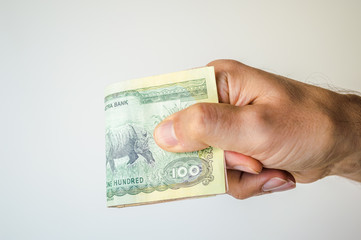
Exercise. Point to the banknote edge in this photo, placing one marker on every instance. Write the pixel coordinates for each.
(114, 87)
(166, 200)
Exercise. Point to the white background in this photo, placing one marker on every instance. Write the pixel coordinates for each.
(56, 57)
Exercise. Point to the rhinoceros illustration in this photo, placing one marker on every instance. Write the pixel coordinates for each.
(127, 140)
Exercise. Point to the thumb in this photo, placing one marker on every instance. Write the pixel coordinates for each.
(219, 125)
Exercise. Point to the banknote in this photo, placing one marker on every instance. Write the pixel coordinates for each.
(137, 170)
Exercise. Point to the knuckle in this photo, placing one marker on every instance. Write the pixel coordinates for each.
(238, 195)
(224, 62)
(327, 128)
(284, 90)
(258, 117)
(229, 66)
(202, 115)
(261, 122)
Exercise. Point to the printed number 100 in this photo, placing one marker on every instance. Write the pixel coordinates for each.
(181, 172)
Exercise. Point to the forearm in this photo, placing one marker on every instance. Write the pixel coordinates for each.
(350, 165)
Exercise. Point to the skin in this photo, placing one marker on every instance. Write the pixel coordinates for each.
(275, 131)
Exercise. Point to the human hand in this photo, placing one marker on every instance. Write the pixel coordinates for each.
(274, 130)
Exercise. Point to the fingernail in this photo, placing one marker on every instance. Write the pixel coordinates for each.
(245, 169)
(165, 135)
(277, 185)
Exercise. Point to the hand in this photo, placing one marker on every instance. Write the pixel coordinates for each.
(274, 130)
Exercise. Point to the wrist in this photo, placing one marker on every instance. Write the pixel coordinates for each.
(349, 163)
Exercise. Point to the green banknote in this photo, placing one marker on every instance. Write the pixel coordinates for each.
(137, 170)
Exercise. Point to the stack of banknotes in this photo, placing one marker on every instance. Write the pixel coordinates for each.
(137, 170)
